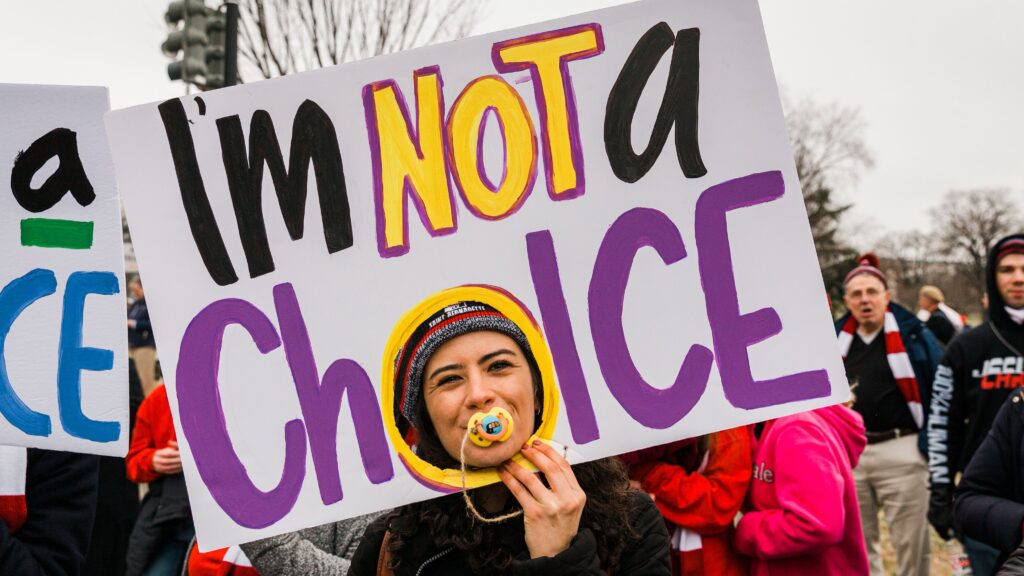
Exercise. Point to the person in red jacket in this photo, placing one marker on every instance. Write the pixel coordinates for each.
(154, 447)
(699, 486)
(164, 529)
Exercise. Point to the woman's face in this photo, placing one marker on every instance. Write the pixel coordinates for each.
(474, 373)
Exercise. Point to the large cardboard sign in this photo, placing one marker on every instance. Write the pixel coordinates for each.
(63, 336)
(618, 183)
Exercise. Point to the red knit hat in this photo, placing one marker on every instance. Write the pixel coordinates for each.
(867, 263)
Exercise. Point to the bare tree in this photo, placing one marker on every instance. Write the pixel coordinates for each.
(969, 221)
(278, 37)
(830, 154)
(828, 144)
(908, 257)
(912, 259)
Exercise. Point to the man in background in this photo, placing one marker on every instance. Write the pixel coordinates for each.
(944, 322)
(979, 371)
(890, 360)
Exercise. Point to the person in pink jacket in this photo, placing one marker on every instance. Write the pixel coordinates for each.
(803, 515)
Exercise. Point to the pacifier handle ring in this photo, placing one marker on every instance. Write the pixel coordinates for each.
(465, 495)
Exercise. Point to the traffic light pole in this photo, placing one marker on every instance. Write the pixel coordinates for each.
(231, 44)
(184, 52)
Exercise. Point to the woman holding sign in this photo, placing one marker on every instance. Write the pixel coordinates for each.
(468, 399)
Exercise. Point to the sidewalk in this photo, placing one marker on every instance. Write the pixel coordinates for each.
(943, 553)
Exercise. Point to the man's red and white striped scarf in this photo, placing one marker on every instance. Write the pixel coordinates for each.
(899, 362)
(13, 467)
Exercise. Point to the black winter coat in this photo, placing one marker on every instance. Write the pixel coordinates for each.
(648, 555)
(161, 515)
(989, 503)
(1014, 565)
(117, 501)
(941, 327)
(60, 493)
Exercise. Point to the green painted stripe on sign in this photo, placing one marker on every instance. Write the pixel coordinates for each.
(52, 233)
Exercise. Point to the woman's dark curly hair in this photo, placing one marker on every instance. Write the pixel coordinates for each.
(450, 524)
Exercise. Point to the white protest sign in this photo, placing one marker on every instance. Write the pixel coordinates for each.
(654, 250)
(63, 336)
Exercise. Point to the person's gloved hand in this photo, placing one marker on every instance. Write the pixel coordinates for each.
(940, 510)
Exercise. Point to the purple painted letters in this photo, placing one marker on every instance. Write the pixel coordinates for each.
(548, 285)
(321, 403)
(733, 332)
(652, 407)
(203, 422)
(202, 419)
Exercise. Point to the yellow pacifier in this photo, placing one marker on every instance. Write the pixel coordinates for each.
(486, 428)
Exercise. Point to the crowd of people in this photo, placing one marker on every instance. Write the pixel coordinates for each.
(933, 435)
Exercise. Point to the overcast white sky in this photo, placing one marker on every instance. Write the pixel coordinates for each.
(939, 82)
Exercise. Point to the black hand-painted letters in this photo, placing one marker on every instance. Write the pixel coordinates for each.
(201, 221)
(313, 139)
(678, 106)
(69, 176)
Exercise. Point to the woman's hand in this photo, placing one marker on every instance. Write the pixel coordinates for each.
(551, 514)
(167, 460)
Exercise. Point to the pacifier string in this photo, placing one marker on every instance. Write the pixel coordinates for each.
(465, 494)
